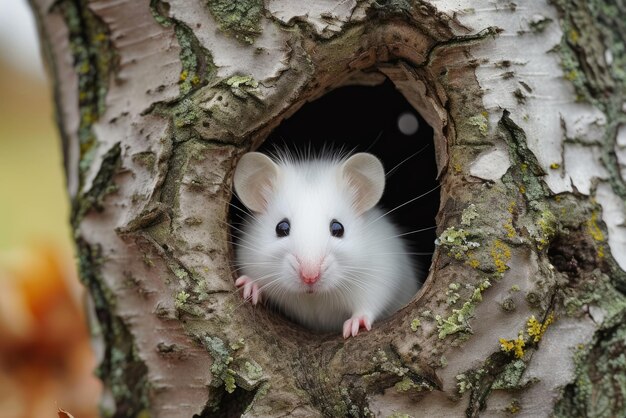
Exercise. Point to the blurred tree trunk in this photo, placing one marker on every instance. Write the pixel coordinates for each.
(524, 308)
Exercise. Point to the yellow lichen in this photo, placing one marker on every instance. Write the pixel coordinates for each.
(457, 167)
(512, 206)
(183, 75)
(474, 263)
(522, 189)
(546, 324)
(516, 346)
(534, 328)
(514, 407)
(601, 251)
(500, 253)
(508, 226)
(571, 75)
(555, 166)
(594, 230)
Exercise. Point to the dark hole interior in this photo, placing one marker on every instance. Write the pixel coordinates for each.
(363, 118)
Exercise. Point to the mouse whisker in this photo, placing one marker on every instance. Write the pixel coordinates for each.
(410, 233)
(233, 227)
(402, 205)
(240, 240)
(253, 249)
(404, 253)
(395, 168)
(370, 272)
(243, 210)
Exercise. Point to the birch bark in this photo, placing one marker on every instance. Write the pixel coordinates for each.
(523, 310)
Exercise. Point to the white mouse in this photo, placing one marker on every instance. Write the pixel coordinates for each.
(316, 246)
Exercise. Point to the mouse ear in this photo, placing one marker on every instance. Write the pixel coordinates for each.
(254, 179)
(366, 176)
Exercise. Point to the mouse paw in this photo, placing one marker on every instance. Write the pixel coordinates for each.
(352, 325)
(250, 289)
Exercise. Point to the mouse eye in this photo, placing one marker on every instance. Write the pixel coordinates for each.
(336, 229)
(282, 229)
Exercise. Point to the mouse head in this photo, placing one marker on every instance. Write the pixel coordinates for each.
(307, 230)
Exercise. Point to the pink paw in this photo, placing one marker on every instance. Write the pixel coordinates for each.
(352, 325)
(250, 288)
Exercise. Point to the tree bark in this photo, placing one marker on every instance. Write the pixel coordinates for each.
(523, 311)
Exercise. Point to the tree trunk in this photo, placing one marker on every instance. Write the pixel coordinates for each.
(524, 308)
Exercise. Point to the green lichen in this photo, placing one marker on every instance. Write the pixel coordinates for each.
(405, 385)
(231, 373)
(597, 290)
(459, 320)
(468, 215)
(600, 374)
(93, 59)
(415, 324)
(457, 241)
(220, 370)
(253, 370)
(242, 86)
(121, 369)
(240, 343)
(241, 19)
(229, 380)
(408, 384)
(181, 299)
(452, 294)
(181, 273)
(185, 113)
(481, 122)
(511, 376)
(593, 58)
(196, 61)
(463, 383)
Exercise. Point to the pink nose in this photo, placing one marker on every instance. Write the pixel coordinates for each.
(309, 276)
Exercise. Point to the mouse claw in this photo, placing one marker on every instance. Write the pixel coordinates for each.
(351, 326)
(250, 289)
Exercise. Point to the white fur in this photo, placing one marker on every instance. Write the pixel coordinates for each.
(365, 272)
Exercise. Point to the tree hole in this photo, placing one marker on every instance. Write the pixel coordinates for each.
(378, 120)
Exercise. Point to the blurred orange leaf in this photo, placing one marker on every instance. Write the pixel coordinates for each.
(64, 414)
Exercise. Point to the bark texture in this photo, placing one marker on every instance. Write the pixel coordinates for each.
(524, 308)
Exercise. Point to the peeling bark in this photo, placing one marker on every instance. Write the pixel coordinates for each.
(523, 309)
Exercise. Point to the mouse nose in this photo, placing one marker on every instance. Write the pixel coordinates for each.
(309, 274)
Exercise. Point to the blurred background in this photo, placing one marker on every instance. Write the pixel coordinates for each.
(46, 361)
